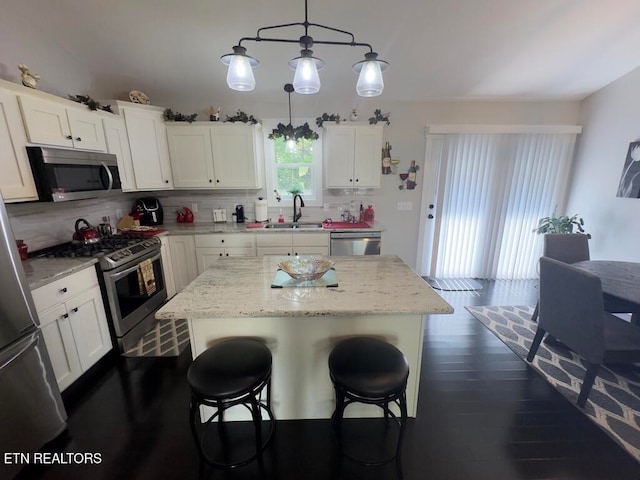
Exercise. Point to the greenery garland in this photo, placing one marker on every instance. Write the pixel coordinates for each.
(325, 117)
(289, 131)
(379, 117)
(240, 116)
(170, 116)
(90, 102)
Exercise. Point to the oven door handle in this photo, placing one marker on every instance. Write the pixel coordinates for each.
(117, 276)
(109, 175)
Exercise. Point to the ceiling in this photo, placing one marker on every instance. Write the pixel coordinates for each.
(438, 49)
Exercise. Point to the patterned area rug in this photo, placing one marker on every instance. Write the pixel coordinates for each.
(167, 339)
(614, 402)
(453, 284)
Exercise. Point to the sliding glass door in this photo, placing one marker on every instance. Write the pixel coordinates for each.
(491, 190)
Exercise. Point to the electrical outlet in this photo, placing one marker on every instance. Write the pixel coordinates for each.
(326, 207)
(194, 207)
(405, 206)
(119, 213)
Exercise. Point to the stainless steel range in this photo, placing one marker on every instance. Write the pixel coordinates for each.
(132, 281)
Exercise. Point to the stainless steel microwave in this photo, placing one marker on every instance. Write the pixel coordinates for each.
(62, 175)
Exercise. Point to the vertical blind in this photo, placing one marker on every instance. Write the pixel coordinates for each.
(494, 189)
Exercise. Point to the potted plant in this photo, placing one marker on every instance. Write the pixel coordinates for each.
(560, 224)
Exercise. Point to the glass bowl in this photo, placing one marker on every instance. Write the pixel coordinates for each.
(305, 268)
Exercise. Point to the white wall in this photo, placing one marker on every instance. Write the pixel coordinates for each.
(611, 120)
(62, 75)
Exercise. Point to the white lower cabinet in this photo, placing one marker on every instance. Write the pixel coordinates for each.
(292, 244)
(183, 260)
(167, 266)
(211, 247)
(73, 323)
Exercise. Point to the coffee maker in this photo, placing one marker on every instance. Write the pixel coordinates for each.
(239, 214)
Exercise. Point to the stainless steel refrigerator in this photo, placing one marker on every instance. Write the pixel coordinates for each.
(31, 409)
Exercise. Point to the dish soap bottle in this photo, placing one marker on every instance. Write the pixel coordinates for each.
(281, 217)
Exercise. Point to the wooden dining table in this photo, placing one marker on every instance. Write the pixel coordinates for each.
(620, 285)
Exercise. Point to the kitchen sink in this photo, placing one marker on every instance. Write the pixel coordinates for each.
(296, 225)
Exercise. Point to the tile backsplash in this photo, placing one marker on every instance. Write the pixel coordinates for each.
(42, 224)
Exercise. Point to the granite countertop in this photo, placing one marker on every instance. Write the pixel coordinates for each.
(368, 285)
(200, 228)
(41, 271)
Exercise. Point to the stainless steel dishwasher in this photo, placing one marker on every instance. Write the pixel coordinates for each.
(355, 243)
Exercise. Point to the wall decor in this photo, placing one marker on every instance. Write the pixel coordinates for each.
(629, 186)
(354, 115)
(386, 159)
(408, 180)
(28, 79)
(378, 116)
(170, 116)
(136, 96)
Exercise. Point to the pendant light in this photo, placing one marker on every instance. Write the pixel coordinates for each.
(290, 142)
(306, 79)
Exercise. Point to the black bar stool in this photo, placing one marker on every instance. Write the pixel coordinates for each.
(233, 372)
(371, 371)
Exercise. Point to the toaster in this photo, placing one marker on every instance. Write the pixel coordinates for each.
(150, 211)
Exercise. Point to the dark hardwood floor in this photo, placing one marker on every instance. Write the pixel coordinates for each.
(482, 414)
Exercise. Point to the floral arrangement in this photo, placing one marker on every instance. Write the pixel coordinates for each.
(325, 117)
(170, 116)
(90, 102)
(378, 116)
(291, 132)
(240, 116)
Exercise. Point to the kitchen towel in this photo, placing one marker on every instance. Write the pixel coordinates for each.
(146, 277)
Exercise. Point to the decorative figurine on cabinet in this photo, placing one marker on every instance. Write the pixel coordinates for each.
(28, 79)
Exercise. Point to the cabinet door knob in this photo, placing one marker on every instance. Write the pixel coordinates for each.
(429, 216)
(75, 310)
(227, 254)
(357, 180)
(166, 181)
(63, 290)
(222, 241)
(217, 181)
(78, 139)
(65, 315)
(220, 254)
(351, 180)
(210, 181)
(69, 137)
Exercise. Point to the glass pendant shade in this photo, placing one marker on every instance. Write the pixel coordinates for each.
(370, 82)
(240, 73)
(306, 79)
(290, 145)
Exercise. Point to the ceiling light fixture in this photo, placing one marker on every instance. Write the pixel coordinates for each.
(306, 79)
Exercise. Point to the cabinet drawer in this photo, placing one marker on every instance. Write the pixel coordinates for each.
(238, 240)
(279, 251)
(311, 239)
(54, 314)
(274, 240)
(63, 289)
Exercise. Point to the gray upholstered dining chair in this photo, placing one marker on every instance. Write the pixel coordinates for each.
(572, 310)
(564, 247)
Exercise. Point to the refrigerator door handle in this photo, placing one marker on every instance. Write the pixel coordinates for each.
(33, 342)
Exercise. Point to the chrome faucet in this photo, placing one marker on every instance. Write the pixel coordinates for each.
(297, 213)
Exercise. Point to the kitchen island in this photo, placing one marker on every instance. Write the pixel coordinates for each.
(376, 295)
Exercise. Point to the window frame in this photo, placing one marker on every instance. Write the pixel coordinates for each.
(271, 167)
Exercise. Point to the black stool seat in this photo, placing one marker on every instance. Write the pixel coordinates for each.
(369, 367)
(371, 371)
(229, 369)
(232, 372)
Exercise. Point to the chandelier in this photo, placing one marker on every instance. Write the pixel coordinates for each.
(306, 79)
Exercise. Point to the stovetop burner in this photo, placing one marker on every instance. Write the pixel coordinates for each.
(112, 251)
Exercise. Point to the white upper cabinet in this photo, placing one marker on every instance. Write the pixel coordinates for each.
(56, 123)
(148, 145)
(16, 180)
(191, 156)
(216, 155)
(115, 132)
(352, 156)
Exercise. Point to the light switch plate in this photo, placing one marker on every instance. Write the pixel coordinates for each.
(405, 206)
